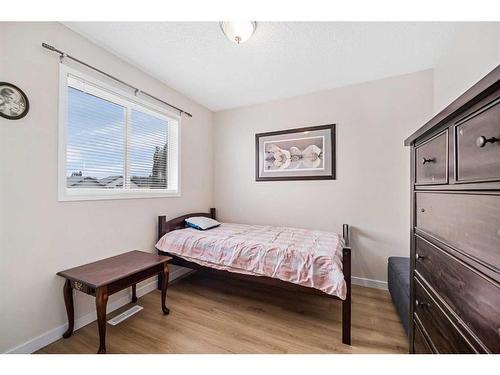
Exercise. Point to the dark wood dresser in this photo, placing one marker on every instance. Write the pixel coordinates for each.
(455, 225)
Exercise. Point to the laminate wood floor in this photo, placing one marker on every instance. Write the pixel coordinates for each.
(212, 315)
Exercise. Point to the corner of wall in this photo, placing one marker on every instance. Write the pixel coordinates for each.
(471, 54)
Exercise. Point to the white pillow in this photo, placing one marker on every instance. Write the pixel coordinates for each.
(201, 222)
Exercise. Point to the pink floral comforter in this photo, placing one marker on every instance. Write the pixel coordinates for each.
(306, 257)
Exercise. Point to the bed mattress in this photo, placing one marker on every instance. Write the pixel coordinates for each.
(309, 258)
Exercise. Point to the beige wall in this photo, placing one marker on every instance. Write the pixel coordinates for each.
(474, 52)
(372, 188)
(39, 235)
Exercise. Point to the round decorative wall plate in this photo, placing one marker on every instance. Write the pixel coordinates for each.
(14, 103)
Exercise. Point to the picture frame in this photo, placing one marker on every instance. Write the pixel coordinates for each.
(14, 103)
(307, 153)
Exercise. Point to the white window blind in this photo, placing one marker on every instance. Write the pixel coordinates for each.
(114, 145)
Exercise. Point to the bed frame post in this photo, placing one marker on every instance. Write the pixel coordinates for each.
(162, 223)
(346, 304)
(212, 213)
(346, 234)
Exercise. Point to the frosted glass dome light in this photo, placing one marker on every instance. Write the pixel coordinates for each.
(239, 31)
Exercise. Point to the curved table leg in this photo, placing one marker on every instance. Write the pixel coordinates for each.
(101, 301)
(164, 286)
(70, 311)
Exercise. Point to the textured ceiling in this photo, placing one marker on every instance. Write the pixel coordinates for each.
(282, 59)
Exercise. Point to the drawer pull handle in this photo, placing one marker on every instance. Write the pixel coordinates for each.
(430, 160)
(422, 304)
(418, 256)
(482, 141)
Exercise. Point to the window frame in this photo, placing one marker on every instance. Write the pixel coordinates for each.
(129, 101)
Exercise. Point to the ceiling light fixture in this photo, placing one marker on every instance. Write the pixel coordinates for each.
(238, 32)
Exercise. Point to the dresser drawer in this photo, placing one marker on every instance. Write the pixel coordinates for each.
(420, 344)
(475, 299)
(431, 159)
(467, 222)
(478, 145)
(443, 334)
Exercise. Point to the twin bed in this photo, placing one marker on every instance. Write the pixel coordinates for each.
(308, 260)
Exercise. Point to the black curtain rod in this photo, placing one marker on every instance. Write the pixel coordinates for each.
(136, 90)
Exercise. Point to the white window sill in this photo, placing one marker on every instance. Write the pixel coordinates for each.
(97, 195)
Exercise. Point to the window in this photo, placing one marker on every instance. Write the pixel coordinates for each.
(112, 144)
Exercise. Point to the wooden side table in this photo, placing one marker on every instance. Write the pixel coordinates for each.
(108, 276)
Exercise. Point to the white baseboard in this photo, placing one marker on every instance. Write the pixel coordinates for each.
(369, 283)
(55, 334)
(179, 273)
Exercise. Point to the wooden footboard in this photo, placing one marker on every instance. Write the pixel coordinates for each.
(165, 226)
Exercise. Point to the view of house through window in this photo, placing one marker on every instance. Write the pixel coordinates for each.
(95, 146)
(115, 144)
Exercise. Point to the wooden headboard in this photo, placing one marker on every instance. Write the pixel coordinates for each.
(165, 226)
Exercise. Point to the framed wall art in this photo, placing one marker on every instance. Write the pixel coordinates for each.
(14, 103)
(296, 154)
